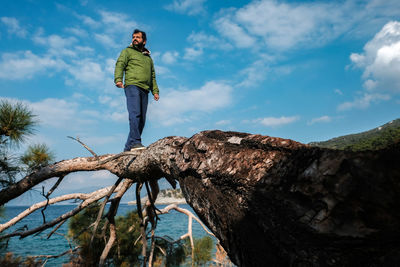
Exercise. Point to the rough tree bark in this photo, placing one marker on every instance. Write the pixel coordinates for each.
(270, 201)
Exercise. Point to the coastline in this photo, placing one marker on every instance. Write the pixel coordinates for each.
(162, 200)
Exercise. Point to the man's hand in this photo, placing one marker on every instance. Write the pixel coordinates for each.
(119, 85)
(156, 97)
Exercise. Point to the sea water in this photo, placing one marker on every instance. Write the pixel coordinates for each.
(174, 224)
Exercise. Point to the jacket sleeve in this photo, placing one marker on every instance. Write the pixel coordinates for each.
(120, 66)
(154, 89)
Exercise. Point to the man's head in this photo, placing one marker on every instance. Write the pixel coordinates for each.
(139, 38)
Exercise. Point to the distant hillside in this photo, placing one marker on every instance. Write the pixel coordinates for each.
(374, 139)
(165, 197)
(176, 193)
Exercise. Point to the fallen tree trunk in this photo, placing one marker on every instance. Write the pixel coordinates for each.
(270, 201)
(275, 202)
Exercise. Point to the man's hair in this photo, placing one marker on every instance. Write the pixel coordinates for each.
(139, 31)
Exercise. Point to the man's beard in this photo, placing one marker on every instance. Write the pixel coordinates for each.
(138, 45)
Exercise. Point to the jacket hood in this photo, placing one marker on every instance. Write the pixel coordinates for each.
(145, 50)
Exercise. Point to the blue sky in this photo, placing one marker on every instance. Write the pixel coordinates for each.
(305, 70)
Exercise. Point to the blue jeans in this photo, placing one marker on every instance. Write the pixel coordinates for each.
(136, 101)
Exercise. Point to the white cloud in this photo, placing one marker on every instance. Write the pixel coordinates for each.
(280, 25)
(255, 73)
(94, 141)
(87, 20)
(380, 8)
(87, 72)
(323, 119)
(38, 138)
(338, 91)
(201, 38)
(106, 40)
(113, 101)
(190, 7)
(275, 122)
(110, 66)
(206, 40)
(200, 41)
(381, 60)
(223, 122)
(262, 69)
(92, 113)
(117, 23)
(84, 2)
(77, 31)
(363, 102)
(17, 65)
(169, 57)
(82, 98)
(283, 25)
(84, 49)
(192, 53)
(57, 45)
(177, 106)
(161, 70)
(88, 180)
(58, 113)
(235, 32)
(116, 106)
(13, 26)
(118, 116)
(109, 27)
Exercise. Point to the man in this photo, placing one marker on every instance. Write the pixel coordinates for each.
(135, 62)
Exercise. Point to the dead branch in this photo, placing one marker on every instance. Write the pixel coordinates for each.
(221, 257)
(45, 207)
(58, 169)
(189, 233)
(151, 210)
(130, 165)
(66, 238)
(149, 214)
(139, 186)
(56, 228)
(101, 210)
(150, 207)
(51, 201)
(170, 241)
(153, 244)
(110, 243)
(114, 157)
(48, 195)
(84, 145)
(69, 251)
(54, 187)
(190, 215)
(117, 198)
(111, 219)
(162, 250)
(88, 199)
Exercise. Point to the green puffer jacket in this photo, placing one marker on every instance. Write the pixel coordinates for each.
(138, 67)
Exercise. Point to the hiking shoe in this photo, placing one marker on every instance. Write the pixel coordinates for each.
(137, 146)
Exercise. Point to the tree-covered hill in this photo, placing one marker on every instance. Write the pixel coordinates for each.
(374, 139)
(176, 193)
